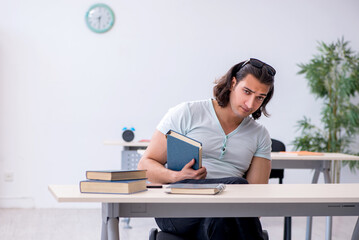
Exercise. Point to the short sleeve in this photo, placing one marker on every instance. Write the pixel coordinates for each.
(264, 145)
(177, 118)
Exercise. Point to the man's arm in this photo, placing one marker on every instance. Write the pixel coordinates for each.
(259, 171)
(155, 157)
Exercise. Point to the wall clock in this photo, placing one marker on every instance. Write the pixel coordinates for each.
(100, 18)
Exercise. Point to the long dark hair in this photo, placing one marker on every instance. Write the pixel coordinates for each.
(222, 89)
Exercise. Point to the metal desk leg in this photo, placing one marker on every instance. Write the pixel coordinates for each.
(110, 219)
(328, 232)
(112, 229)
(356, 231)
(326, 176)
(308, 235)
(104, 235)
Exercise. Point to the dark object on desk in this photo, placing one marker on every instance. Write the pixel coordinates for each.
(115, 175)
(278, 146)
(119, 187)
(153, 185)
(159, 235)
(181, 150)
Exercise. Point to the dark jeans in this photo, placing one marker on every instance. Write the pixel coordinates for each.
(213, 228)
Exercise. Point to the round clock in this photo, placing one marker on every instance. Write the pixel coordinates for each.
(100, 18)
(128, 134)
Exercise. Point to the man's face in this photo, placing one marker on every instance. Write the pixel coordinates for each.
(247, 96)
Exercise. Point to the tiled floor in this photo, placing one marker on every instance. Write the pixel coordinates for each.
(80, 224)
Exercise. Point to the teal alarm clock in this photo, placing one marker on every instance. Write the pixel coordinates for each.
(128, 134)
(100, 18)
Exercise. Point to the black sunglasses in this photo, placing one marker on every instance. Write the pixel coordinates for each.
(259, 64)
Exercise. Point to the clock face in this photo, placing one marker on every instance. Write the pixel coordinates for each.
(100, 18)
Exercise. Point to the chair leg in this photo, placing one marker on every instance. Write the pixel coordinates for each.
(153, 233)
(287, 228)
(127, 223)
(265, 235)
(287, 223)
(356, 231)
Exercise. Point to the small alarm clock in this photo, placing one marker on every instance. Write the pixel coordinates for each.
(128, 134)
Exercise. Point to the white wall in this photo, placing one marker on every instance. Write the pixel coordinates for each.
(64, 90)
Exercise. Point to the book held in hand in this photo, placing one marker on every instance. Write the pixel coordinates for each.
(181, 150)
(114, 175)
(190, 188)
(120, 187)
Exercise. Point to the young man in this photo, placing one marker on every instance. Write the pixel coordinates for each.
(233, 145)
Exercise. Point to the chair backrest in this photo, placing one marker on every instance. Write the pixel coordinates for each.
(277, 146)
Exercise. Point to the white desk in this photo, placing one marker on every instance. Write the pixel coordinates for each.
(321, 164)
(236, 201)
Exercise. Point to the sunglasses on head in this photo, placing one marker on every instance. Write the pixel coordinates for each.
(259, 64)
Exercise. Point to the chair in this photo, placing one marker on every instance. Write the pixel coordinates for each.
(159, 235)
(278, 146)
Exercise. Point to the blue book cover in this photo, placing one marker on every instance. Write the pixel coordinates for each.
(181, 150)
(113, 175)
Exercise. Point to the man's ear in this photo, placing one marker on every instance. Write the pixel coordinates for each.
(234, 82)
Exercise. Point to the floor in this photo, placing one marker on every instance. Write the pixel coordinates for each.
(79, 224)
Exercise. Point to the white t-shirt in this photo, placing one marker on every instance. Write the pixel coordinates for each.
(198, 120)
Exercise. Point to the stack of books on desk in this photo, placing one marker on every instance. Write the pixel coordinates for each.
(118, 181)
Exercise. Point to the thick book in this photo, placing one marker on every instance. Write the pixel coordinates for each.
(190, 188)
(119, 187)
(181, 150)
(115, 175)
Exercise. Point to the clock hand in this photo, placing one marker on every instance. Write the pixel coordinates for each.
(99, 20)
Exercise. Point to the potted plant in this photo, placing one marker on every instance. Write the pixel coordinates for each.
(333, 76)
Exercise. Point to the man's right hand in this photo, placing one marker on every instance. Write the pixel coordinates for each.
(188, 172)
